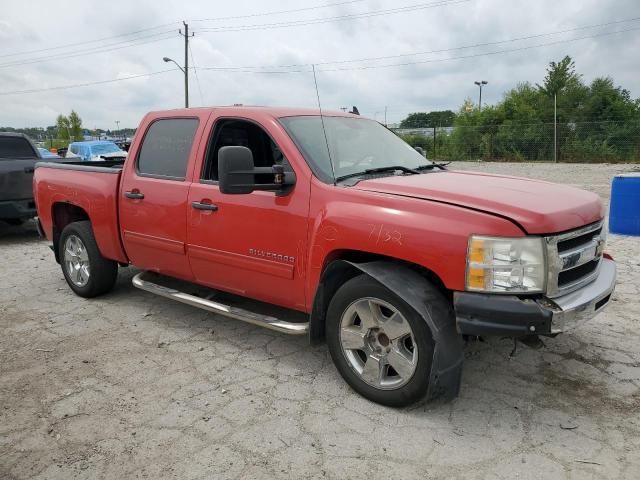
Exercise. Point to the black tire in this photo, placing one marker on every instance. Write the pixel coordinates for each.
(102, 271)
(359, 288)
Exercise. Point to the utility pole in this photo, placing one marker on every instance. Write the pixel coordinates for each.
(184, 70)
(117, 126)
(385, 115)
(186, 62)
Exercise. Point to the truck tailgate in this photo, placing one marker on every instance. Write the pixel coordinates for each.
(91, 188)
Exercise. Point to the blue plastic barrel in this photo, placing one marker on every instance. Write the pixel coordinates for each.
(624, 212)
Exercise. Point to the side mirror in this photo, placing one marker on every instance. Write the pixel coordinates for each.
(237, 173)
(235, 170)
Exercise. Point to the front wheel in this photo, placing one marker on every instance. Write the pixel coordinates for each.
(87, 272)
(379, 344)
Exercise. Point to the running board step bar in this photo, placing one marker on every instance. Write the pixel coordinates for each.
(272, 323)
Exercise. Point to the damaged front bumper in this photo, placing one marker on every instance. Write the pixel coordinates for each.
(483, 314)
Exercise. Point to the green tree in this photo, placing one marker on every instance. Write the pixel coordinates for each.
(597, 122)
(559, 76)
(63, 127)
(415, 120)
(606, 101)
(431, 119)
(75, 125)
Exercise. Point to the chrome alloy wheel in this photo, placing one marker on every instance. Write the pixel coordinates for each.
(76, 260)
(378, 343)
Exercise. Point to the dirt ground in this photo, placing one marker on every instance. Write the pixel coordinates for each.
(135, 386)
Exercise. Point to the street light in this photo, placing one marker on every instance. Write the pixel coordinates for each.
(186, 80)
(481, 84)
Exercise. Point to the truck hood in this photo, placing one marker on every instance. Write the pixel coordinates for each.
(538, 207)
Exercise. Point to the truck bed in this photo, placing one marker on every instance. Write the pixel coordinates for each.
(92, 188)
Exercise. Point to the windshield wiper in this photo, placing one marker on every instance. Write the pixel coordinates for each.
(368, 171)
(431, 166)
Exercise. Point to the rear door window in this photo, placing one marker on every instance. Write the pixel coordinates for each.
(15, 147)
(166, 147)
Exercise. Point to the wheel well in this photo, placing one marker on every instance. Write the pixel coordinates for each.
(62, 215)
(338, 269)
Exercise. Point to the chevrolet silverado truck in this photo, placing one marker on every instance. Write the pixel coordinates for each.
(18, 156)
(329, 225)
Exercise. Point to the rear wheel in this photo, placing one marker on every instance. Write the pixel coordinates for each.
(379, 344)
(87, 272)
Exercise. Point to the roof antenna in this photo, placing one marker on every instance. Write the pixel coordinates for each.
(324, 130)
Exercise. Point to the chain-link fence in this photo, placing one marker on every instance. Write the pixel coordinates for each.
(593, 142)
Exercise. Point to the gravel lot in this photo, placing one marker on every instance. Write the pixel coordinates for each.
(135, 386)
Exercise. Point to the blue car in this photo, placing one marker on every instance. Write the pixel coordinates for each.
(44, 153)
(95, 150)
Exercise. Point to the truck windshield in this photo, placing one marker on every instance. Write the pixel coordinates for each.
(356, 145)
(15, 147)
(103, 148)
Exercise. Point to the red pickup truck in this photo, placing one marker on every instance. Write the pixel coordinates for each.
(331, 226)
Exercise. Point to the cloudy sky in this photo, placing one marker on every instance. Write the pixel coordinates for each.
(259, 52)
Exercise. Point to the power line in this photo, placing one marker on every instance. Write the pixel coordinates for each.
(195, 71)
(417, 62)
(328, 70)
(278, 12)
(176, 22)
(152, 38)
(497, 52)
(411, 54)
(87, 84)
(26, 52)
(477, 45)
(94, 50)
(315, 21)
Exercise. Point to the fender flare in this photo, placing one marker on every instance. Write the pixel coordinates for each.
(448, 353)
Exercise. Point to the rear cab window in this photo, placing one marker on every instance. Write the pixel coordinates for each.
(15, 147)
(165, 149)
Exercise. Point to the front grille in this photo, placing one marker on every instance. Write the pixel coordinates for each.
(572, 243)
(574, 258)
(572, 275)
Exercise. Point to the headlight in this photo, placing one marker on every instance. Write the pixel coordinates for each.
(506, 265)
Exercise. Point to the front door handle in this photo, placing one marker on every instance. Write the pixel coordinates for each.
(204, 206)
(29, 169)
(135, 195)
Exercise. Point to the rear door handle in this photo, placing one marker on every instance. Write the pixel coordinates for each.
(204, 206)
(29, 169)
(134, 195)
